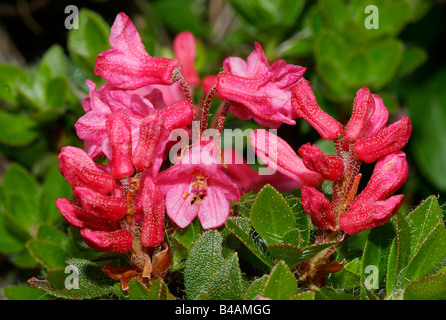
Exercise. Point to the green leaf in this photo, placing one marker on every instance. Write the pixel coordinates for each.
(302, 223)
(422, 220)
(56, 92)
(187, 236)
(331, 48)
(10, 77)
(51, 255)
(256, 288)
(54, 187)
(358, 69)
(158, 291)
(334, 12)
(429, 254)
(93, 283)
(17, 129)
(226, 283)
(399, 255)
(137, 291)
(281, 283)
(312, 250)
(412, 59)
(250, 249)
(429, 288)
(286, 252)
(271, 216)
(86, 42)
(54, 62)
(205, 267)
(327, 293)
(307, 295)
(348, 277)
(24, 292)
(385, 57)
(375, 257)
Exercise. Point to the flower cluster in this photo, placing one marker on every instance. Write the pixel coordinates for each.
(364, 138)
(123, 183)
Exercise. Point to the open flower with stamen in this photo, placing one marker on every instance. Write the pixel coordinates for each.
(197, 186)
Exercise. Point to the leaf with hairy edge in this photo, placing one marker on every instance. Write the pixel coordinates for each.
(93, 283)
(281, 283)
(429, 288)
(271, 216)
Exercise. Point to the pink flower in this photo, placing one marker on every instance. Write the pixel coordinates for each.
(102, 207)
(140, 115)
(278, 155)
(260, 91)
(184, 49)
(127, 65)
(374, 206)
(197, 186)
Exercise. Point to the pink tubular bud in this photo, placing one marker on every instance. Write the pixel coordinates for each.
(152, 201)
(184, 48)
(150, 133)
(391, 139)
(304, 102)
(363, 108)
(328, 166)
(119, 241)
(373, 207)
(119, 134)
(389, 174)
(319, 208)
(178, 115)
(277, 154)
(80, 171)
(110, 208)
(369, 215)
(79, 218)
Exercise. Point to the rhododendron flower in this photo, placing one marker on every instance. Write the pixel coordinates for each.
(197, 186)
(374, 206)
(141, 114)
(260, 91)
(127, 65)
(277, 154)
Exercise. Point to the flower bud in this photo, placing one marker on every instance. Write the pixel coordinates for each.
(304, 102)
(79, 218)
(184, 48)
(178, 115)
(119, 241)
(111, 208)
(319, 208)
(119, 135)
(328, 166)
(80, 171)
(277, 154)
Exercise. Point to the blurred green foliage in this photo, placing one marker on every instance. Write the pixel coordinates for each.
(40, 101)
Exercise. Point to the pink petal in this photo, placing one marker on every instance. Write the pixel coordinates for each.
(379, 118)
(178, 115)
(277, 154)
(119, 135)
(363, 109)
(119, 241)
(184, 49)
(319, 208)
(329, 166)
(80, 171)
(111, 208)
(370, 215)
(304, 102)
(391, 139)
(128, 65)
(152, 199)
(81, 219)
